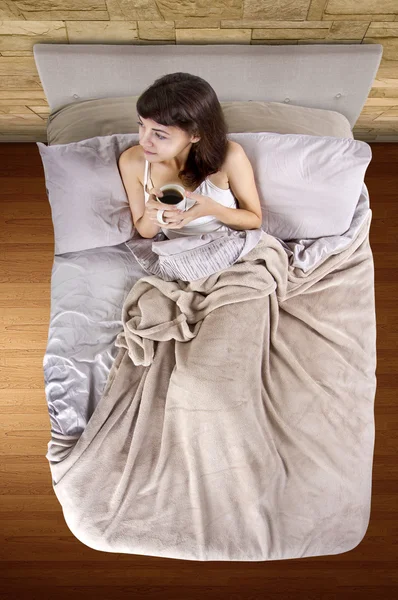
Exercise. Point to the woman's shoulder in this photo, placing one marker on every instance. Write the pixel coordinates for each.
(134, 156)
(234, 151)
(233, 148)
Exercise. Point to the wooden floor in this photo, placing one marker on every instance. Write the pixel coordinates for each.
(39, 555)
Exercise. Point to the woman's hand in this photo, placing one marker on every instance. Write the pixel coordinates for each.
(203, 207)
(171, 213)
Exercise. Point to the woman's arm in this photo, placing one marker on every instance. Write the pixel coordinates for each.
(243, 186)
(237, 218)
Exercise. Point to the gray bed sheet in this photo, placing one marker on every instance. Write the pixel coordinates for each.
(88, 289)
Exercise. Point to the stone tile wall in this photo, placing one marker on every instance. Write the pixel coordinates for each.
(23, 23)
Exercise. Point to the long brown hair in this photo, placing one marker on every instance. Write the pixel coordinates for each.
(190, 103)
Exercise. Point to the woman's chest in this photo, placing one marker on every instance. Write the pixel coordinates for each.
(162, 176)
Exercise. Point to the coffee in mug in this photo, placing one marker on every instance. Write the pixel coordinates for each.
(173, 194)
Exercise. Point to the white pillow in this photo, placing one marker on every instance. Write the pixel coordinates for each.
(308, 186)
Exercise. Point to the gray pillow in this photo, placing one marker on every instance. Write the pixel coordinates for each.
(102, 215)
(308, 186)
(89, 205)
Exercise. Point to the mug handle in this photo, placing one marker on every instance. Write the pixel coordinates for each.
(159, 217)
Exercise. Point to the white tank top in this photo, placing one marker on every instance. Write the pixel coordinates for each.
(202, 224)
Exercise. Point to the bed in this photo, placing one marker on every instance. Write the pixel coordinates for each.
(155, 451)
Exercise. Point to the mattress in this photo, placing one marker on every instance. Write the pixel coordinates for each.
(168, 486)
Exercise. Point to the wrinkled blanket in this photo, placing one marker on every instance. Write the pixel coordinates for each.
(237, 420)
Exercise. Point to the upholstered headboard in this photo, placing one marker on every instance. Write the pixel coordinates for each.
(330, 76)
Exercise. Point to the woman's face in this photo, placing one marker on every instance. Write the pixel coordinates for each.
(165, 142)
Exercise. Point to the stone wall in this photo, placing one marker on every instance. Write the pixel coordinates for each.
(23, 23)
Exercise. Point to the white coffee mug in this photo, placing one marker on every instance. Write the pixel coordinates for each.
(183, 205)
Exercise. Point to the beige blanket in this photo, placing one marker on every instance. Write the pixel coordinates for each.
(237, 420)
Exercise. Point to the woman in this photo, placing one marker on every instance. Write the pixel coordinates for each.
(183, 139)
